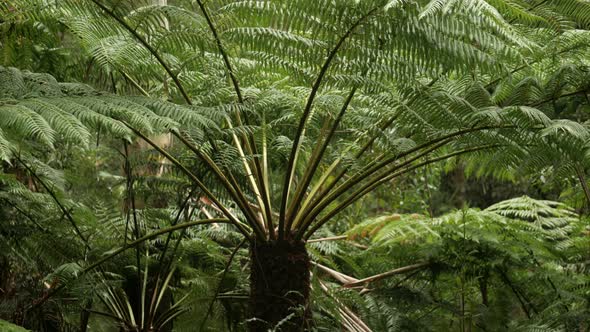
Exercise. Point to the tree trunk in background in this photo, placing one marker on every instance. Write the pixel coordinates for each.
(279, 286)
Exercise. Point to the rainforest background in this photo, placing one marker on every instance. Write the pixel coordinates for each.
(274, 165)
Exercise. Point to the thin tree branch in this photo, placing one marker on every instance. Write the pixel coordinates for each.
(318, 191)
(519, 68)
(21, 211)
(351, 321)
(375, 166)
(226, 61)
(516, 293)
(348, 185)
(174, 222)
(341, 277)
(530, 9)
(169, 70)
(404, 279)
(134, 83)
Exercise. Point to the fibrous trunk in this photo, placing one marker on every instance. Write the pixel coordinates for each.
(279, 286)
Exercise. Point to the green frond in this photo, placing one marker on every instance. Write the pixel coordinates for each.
(563, 127)
(26, 123)
(5, 148)
(48, 115)
(65, 124)
(576, 9)
(9, 327)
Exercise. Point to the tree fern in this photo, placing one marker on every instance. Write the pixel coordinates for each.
(296, 110)
(472, 247)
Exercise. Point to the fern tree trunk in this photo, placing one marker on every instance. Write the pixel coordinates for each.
(279, 286)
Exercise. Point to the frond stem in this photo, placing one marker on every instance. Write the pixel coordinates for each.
(24, 213)
(149, 47)
(258, 186)
(219, 285)
(382, 179)
(201, 185)
(226, 61)
(316, 157)
(584, 91)
(129, 245)
(381, 276)
(582, 178)
(134, 83)
(131, 201)
(306, 112)
(230, 185)
(371, 169)
(56, 200)
(174, 222)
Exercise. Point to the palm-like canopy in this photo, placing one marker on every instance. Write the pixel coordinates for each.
(378, 81)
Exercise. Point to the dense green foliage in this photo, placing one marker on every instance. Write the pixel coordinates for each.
(148, 146)
(8, 327)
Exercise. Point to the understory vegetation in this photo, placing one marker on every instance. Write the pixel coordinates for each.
(294, 165)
